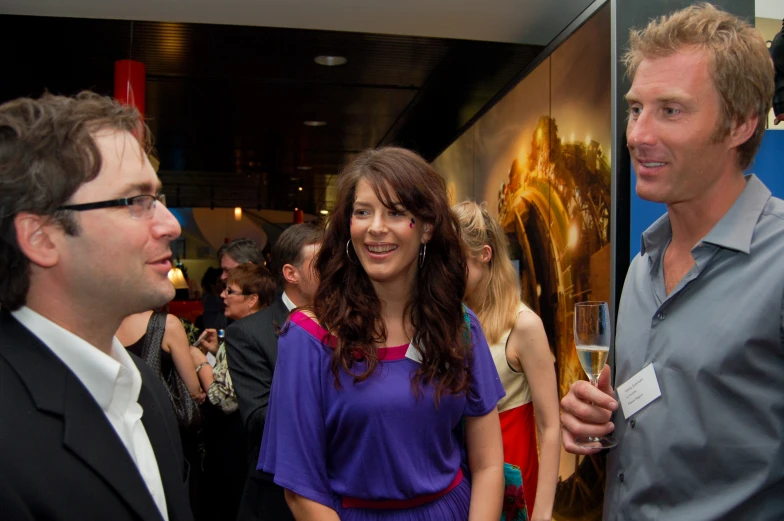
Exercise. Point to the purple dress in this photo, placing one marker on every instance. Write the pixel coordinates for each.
(373, 440)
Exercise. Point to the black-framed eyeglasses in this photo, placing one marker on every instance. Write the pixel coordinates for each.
(141, 206)
(230, 291)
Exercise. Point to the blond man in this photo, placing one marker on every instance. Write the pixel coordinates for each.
(700, 317)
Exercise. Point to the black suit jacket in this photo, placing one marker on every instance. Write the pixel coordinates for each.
(61, 459)
(252, 351)
(777, 54)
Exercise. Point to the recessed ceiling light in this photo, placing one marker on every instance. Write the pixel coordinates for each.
(330, 61)
(300, 188)
(303, 167)
(324, 212)
(314, 123)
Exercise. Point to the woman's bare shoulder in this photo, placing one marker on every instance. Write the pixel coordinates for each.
(173, 322)
(527, 321)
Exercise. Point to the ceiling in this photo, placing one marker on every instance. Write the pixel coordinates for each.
(226, 103)
(534, 22)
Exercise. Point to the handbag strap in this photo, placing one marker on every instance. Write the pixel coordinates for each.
(151, 349)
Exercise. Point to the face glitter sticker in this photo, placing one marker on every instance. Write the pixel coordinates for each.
(412, 223)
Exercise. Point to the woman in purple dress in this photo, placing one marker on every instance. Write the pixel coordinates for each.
(383, 405)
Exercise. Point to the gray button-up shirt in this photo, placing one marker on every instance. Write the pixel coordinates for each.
(711, 447)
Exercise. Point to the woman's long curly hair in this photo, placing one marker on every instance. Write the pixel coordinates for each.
(346, 303)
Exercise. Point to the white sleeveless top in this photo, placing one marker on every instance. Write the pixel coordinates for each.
(515, 384)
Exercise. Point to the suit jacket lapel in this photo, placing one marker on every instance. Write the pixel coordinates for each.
(280, 313)
(162, 444)
(87, 432)
(90, 436)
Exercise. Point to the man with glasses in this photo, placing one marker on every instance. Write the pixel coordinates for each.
(87, 430)
(141, 206)
(237, 252)
(230, 255)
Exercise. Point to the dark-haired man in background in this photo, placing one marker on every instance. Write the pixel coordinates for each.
(230, 255)
(777, 55)
(252, 350)
(239, 251)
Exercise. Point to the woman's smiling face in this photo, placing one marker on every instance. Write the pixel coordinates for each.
(386, 240)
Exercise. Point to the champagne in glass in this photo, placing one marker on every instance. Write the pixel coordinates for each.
(592, 330)
(593, 358)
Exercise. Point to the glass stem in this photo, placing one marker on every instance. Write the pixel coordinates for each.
(595, 382)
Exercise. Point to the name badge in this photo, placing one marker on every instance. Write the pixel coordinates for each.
(413, 354)
(638, 391)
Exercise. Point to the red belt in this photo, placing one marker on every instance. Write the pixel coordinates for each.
(396, 504)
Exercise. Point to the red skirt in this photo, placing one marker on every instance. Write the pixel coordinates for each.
(518, 429)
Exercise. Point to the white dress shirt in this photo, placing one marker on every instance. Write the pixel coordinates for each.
(287, 301)
(114, 382)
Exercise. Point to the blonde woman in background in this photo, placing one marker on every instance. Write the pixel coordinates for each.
(522, 357)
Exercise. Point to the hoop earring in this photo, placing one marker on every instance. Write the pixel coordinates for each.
(349, 255)
(422, 254)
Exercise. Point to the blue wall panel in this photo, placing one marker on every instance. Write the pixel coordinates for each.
(768, 166)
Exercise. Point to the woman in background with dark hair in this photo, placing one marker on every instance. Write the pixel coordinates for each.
(249, 289)
(382, 384)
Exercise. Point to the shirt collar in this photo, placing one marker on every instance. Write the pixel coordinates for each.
(97, 371)
(734, 230)
(287, 301)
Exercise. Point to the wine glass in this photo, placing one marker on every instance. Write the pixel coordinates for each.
(592, 330)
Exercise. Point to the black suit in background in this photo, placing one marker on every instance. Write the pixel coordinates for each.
(252, 351)
(61, 459)
(777, 55)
